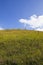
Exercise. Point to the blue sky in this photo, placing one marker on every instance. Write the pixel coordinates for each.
(11, 11)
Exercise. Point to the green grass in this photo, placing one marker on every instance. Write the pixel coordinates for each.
(21, 47)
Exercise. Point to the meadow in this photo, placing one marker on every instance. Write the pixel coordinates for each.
(21, 47)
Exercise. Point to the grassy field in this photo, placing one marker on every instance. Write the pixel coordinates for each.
(21, 47)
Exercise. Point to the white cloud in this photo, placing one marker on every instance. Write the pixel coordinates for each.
(39, 29)
(1, 28)
(34, 21)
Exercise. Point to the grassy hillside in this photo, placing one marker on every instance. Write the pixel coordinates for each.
(21, 47)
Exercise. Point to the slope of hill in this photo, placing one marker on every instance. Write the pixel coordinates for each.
(21, 47)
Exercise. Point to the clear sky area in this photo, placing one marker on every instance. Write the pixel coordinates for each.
(21, 13)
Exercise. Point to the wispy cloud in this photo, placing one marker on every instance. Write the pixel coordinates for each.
(34, 21)
(1, 28)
